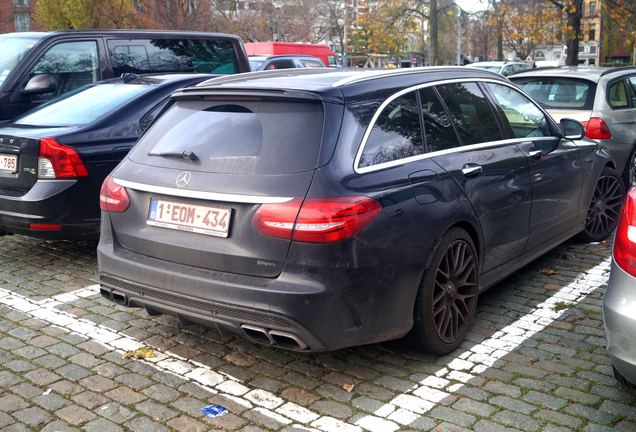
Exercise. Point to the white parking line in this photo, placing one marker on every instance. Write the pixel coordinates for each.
(403, 409)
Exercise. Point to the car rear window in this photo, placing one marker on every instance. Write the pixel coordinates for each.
(559, 93)
(236, 137)
(83, 106)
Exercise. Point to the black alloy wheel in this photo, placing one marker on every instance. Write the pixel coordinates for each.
(447, 299)
(604, 210)
(455, 291)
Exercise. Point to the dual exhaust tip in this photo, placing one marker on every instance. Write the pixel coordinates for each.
(274, 337)
(258, 334)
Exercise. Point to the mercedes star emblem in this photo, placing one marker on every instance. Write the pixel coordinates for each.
(183, 179)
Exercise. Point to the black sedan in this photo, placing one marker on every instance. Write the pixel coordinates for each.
(318, 210)
(54, 159)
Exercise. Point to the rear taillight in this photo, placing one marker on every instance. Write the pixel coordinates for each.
(596, 128)
(113, 198)
(317, 220)
(57, 161)
(625, 241)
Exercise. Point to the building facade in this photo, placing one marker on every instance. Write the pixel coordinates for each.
(17, 16)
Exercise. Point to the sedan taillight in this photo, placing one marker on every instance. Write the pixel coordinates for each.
(317, 220)
(596, 128)
(113, 198)
(625, 241)
(57, 161)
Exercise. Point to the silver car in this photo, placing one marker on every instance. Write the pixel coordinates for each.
(603, 99)
(505, 68)
(619, 303)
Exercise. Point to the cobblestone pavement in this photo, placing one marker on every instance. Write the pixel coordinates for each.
(534, 361)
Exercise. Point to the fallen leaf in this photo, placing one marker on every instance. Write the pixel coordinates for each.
(547, 271)
(141, 353)
(348, 387)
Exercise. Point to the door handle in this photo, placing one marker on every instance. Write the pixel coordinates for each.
(470, 170)
(535, 154)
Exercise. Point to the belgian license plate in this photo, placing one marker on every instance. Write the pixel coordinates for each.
(214, 221)
(8, 163)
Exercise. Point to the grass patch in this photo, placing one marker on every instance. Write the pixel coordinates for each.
(561, 305)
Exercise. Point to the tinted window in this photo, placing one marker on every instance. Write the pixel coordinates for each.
(617, 95)
(438, 128)
(72, 65)
(559, 93)
(471, 112)
(281, 64)
(525, 119)
(237, 137)
(396, 133)
(172, 55)
(83, 106)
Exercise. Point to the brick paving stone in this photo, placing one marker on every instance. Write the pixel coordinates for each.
(58, 426)
(51, 401)
(90, 400)
(473, 407)
(125, 395)
(101, 425)
(115, 412)
(187, 424)
(144, 424)
(517, 420)
(32, 417)
(10, 403)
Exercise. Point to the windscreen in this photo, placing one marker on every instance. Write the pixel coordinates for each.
(83, 106)
(559, 93)
(232, 137)
(12, 50)
(255, 64)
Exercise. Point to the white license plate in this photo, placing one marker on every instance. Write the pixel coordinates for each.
(214, 221)
(8, 163)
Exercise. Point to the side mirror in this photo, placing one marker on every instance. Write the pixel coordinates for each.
(572, 129)
(40, 84)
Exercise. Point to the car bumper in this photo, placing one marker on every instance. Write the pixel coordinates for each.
(60, 202)
(296, 310)
(619, 305)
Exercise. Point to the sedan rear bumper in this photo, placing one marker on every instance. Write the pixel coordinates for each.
(619, 305)
(59, 202)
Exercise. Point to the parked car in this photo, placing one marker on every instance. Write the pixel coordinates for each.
(54, 158)
(619, 301)
(505, 68)
(37, 67)
(258, 63)
(603, 99)
(316, 210)
(322, 51)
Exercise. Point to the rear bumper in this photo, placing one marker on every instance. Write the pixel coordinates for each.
(619, 304)
(51, 202)
(297, 310)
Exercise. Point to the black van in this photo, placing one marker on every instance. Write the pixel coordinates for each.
(36, 67)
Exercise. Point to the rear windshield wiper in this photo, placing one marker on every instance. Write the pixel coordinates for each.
(183, 155)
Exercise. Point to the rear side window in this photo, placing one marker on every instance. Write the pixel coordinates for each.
(311, 64)
(261, 137)
(281, 64)
(471, 112)
(172, 55)
(438, 128)
(617, 95)
(525, 119)
(396, 133)
(559, 93)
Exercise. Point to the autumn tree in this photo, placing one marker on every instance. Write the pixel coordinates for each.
(86, 14)
(525, 25)
(383, 30)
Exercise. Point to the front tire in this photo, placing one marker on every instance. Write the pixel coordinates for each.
(604, 211)
(447, 297)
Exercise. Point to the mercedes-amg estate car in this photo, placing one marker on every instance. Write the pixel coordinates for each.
(316, 210)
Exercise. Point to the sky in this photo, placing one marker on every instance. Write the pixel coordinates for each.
(472, 5)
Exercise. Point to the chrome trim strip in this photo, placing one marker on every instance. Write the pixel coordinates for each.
(210, 196)
(398, 162)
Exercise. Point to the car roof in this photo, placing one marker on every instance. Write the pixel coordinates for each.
(590, 73)
(266, 56)
(155, 79)
(329, 82)
(156, 33)
(494, 63)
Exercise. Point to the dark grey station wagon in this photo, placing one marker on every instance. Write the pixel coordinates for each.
(315, 210)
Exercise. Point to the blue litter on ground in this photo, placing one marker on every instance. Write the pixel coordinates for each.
(214, 410)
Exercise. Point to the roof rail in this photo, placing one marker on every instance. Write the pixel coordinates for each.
(370, 74)
(245, 76)
(618, 69)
